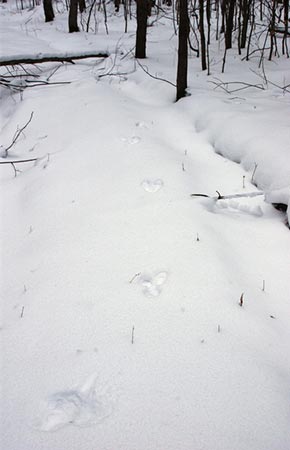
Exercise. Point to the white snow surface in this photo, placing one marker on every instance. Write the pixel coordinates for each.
(122, 326)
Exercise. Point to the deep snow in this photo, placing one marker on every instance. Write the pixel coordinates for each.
(121, 324)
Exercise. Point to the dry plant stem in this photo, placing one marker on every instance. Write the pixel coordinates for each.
(16, 136)
(241, 302)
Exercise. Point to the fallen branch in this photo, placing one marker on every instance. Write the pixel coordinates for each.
(225, 86)
(29, 83)
(229, 197)
(153, 76)
(42, 58)
(17, 161)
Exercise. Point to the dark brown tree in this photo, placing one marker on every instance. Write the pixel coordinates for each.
(48, 10)
(142, 14)
(183, 32)
(82, 5)
(202, 34)
(73, 16)
(229, 12)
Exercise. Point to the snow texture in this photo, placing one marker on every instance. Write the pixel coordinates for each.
(121, 321)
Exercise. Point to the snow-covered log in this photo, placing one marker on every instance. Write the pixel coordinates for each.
(49, 57)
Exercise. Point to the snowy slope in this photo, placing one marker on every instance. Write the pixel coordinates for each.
(121, 326)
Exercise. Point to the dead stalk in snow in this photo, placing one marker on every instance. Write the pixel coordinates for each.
(17, 135)
(135, 276)
(241, 302)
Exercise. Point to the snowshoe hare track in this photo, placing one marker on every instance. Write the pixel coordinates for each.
(152, 185)
(152, 285)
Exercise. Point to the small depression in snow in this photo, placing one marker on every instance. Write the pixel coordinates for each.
(81, 407)
(152, 284)
(152, 184)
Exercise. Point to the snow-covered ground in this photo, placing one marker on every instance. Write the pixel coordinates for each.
(122, 327)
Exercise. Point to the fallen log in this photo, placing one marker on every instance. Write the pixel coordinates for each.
(45, 57)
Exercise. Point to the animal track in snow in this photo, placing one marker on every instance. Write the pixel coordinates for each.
(132, 140)
(152, 285)
(141, 124)
(83, 406)
(152, 185)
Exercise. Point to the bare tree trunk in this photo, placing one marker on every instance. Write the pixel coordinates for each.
(73, 16)
(82, 5)
(286, 24)
(142, 14)
(183, 32)
(202, 35)
(230, 9)
(48, 10)
(245, 6)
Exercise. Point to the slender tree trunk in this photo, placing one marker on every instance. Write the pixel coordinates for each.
(142, 13)
(246, 7)
(73, 16)
(286, 24)
(183, 32)
(48, 10)
(272, 29)
(230, 9)
(202, 35)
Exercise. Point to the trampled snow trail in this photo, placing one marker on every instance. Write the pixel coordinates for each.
(113, 269)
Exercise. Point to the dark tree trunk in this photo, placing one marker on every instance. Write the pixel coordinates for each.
(73, 16)
(230, 9)
(142, 14)
(183, 32)
(286, 33)
(82, 5)
(202, 35)
(245, 6)
(48, 10)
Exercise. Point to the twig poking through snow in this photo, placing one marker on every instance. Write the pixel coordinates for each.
(135, 276)
(132, 336)
(16, 136)
(241, 302)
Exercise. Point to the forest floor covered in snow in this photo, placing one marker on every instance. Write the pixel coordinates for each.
(135, 316)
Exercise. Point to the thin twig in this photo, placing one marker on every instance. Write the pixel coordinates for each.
(153, 76)
(17, 134)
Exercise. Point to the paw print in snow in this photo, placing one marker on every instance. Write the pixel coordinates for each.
(152, 285)
(152, 185)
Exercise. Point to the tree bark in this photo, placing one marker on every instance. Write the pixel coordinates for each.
(73, 16)
(183, 32)
(142, 14)
(82, 5)
(48, 10)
